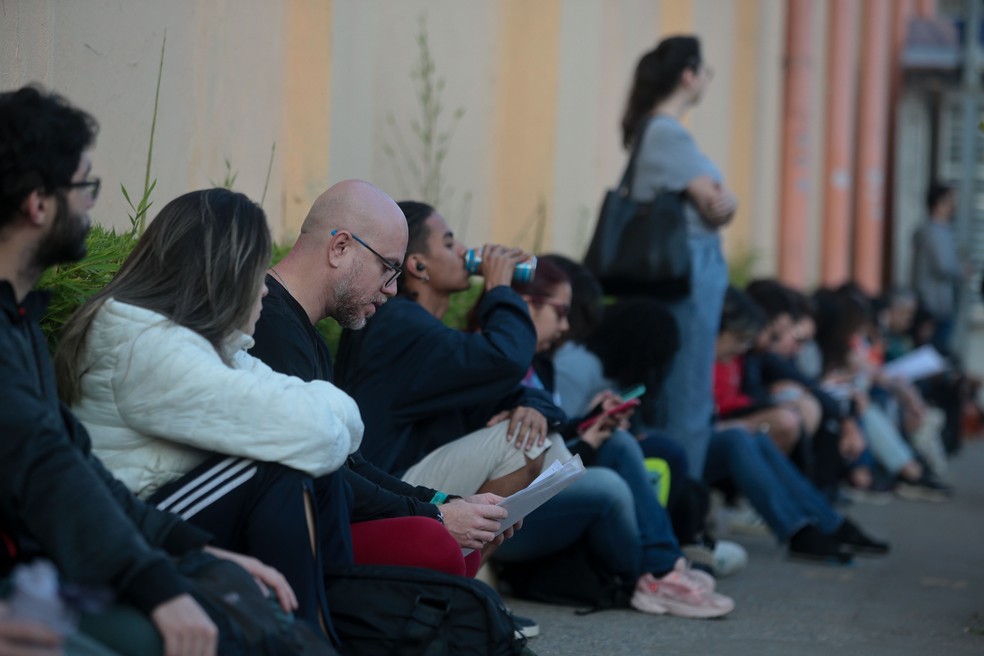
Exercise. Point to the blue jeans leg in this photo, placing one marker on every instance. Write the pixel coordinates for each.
(621, 452)
(598, 509)
(797, 488)
(686, 400)
(735, 454)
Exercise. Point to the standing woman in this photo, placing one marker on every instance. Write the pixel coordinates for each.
(668, 82)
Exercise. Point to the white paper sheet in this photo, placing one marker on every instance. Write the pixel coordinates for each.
(916, 364)
(551, 480)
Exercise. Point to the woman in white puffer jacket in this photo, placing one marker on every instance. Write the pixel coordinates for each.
(155, 366)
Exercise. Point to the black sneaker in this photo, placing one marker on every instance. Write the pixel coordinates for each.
(810, 544)
(849, 535)
(926, 488)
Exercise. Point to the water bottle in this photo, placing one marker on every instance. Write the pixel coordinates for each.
(523, 272)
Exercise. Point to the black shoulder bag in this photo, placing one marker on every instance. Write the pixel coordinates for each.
(640, 249)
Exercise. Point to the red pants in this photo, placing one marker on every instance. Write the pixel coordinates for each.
(411, 542)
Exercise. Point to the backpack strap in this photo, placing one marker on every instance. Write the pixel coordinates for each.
(426, 620)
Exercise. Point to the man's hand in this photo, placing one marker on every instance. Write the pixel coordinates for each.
(527, 427)
(266, 577)
(187, 630)
(25, 638)
(498, 264)
(473, 522)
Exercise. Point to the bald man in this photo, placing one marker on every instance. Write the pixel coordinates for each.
(344, 265)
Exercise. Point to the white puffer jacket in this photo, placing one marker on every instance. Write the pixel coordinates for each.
(158, 400)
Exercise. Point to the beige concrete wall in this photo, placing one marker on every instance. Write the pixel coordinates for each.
(542, 86)
(223, 88)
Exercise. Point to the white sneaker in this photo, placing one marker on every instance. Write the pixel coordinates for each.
(729, 558)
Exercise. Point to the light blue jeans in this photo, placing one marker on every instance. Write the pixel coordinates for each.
(686, 403)
(773, 485)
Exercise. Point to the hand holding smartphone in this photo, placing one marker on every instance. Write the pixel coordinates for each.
(630, 399)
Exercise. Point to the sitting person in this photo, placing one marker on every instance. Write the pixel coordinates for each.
(795, 510)
(445, 408)
(155, 366)
(844, 319)
(605, 443)
(393, 522)
(57, 500)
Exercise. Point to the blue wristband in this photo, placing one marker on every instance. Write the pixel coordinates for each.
(439, 498)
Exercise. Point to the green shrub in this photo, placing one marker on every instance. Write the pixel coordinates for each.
(71, 284)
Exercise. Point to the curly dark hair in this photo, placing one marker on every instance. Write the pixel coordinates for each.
(636, 342)
(42, 138)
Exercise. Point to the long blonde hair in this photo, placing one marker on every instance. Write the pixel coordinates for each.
(199, 264)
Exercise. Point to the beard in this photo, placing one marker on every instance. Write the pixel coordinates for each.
(66, 241)
(350, 302)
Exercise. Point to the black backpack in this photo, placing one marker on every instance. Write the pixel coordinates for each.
(250, 623)
(409, 611)
(572, 577)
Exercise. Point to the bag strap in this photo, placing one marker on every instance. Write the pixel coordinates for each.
(625, 186)
(425, 622)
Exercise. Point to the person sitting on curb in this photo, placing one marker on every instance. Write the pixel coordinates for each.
(57, 500)
(444, 408)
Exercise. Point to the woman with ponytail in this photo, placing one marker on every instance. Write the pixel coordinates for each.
(668, 82)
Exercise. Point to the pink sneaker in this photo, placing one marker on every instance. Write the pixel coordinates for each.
(684, 573)
(673, 596)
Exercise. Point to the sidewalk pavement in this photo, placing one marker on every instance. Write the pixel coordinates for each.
(926, 597)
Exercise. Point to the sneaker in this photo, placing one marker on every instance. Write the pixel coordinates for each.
(810, 544)
(699, 556)
(869, 496)
(676, 597)
(526, 627)
(686, 573)
(729, 558)
(927, 488)
(849, 535)
(744, 520)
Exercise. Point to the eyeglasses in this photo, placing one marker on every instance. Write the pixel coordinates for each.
(92, 186)
(395, 268)
(563, 310)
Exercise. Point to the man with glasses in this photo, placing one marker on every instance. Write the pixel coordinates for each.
(345, 265)
(57, 500)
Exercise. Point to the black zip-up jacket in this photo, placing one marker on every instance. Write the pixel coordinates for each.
(56, 498)
(287, 342)
(421, 384)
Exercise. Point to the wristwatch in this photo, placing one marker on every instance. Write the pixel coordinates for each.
(440, 516)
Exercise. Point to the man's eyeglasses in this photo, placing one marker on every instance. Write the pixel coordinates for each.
(395, 268)
(91, 185)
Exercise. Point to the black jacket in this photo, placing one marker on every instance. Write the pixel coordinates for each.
(56, 498)
(287, 342)
(421, 384)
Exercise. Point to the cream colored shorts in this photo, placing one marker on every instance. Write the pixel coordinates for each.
(463, 466)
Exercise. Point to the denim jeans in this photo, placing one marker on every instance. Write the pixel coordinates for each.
(622, 453)
(773, 485)
(596, 508)
(686, 402)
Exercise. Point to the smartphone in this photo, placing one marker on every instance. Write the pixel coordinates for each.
(620, 408)
(633, 392)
